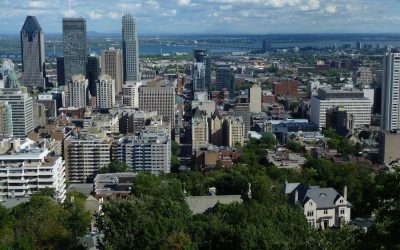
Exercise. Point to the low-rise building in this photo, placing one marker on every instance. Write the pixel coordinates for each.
(108, 186)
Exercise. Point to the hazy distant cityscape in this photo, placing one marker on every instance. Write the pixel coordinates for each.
(129, 141)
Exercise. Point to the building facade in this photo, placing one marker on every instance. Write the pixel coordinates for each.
(130, 48)
(199, 129)
(148, 152)
(202, 56)
(21, 110)
(6, 125)
(32, 51)
(75, 47)
(92, 72)
(130, 94)
(225, 78)
(105, 97)
(77, 92)
(390, 102)
(353, 101)
(111, 64)
(160, 99)
(84, 155)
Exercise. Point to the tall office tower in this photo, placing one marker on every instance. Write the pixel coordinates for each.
(7, 66)
(92, 72)
(84, 155)
(199, 77)
(148, 152)
(130, 48)
(160, 99)
(21, 110)
(390, 103)
(75, 47)
(130, 94)
(60, 71)
(76, 92)
(199, 129)
(358, 45)
(225, 79)
(6, 126)
(111, 64)
(202, 56)
(105, 96)
(32, 51)
(255, 98)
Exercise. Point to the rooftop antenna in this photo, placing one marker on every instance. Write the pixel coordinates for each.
(70, 10)
(122, 7)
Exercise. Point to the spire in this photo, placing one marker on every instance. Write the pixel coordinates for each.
(31, 25)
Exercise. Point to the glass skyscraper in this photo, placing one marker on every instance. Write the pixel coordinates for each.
(75, 47)
(202, 56)
(32, 50)
(130, 49)
(93, 72)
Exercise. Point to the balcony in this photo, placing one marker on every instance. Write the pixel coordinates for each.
(23, 181)
(24, 187)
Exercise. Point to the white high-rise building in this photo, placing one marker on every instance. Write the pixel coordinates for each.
(130, 49)
(105, 97)
(353, 101)
(21, 111)
(148, 152)
(255, 98)
(130, 94)
(390, 106)
(29, 170)
(77, 92)
(6, 126)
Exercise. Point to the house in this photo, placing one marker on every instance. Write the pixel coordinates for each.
(323, 207)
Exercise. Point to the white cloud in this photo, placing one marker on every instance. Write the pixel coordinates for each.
(38, 4)
(183, 2)
(95, 16)
(331, 8)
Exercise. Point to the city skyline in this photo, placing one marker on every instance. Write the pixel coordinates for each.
(207, 16)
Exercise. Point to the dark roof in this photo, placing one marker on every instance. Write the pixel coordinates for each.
(31, 25)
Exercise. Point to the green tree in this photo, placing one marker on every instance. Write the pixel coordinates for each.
(295, 146)
(114, 167)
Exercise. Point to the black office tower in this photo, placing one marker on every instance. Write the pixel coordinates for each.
(92, 72)
(60, 71)
(202, 56)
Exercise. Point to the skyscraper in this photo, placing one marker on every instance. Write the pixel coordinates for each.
(60, 71)
(75, 47)
(32, 50)
(390, 118)
(130, 48)
(202, 56)
(225, 78)
(111, 64)
(92, 72)
(199, 77)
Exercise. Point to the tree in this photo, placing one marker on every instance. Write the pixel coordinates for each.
(114, 167)
(295, 146)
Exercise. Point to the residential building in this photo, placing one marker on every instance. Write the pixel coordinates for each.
(336, 118)
(233, 131)
(160, 98)
(49, 103)
(84, 155)
(32, 51)
(75, 47)
(111, 64)
(130, 94)
(92, 72)
(352, 100)
(130, 49)
(148, 152)
(390, 106)
(363, 77)
(39, 114)
(225, 79)
(6, 125)
(243, 109)
(77, 92)
(27, 169)
(322, 207)
(105, 97)
(7, 66)
(199, 129)
(113, 185)
(215, 124)
(21, 110)
(255, 98)
(134, 121)
(287, 89)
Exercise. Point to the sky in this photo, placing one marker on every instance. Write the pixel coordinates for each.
(210, 16)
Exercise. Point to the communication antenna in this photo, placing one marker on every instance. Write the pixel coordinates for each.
(122, 7)
(70, 10)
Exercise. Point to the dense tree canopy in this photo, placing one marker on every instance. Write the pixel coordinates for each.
(114, 167)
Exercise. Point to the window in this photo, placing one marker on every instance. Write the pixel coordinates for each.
(312, 222)
(325, 211)
(310, 213)
(341, 201)
(310, 203)
(342, 211)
